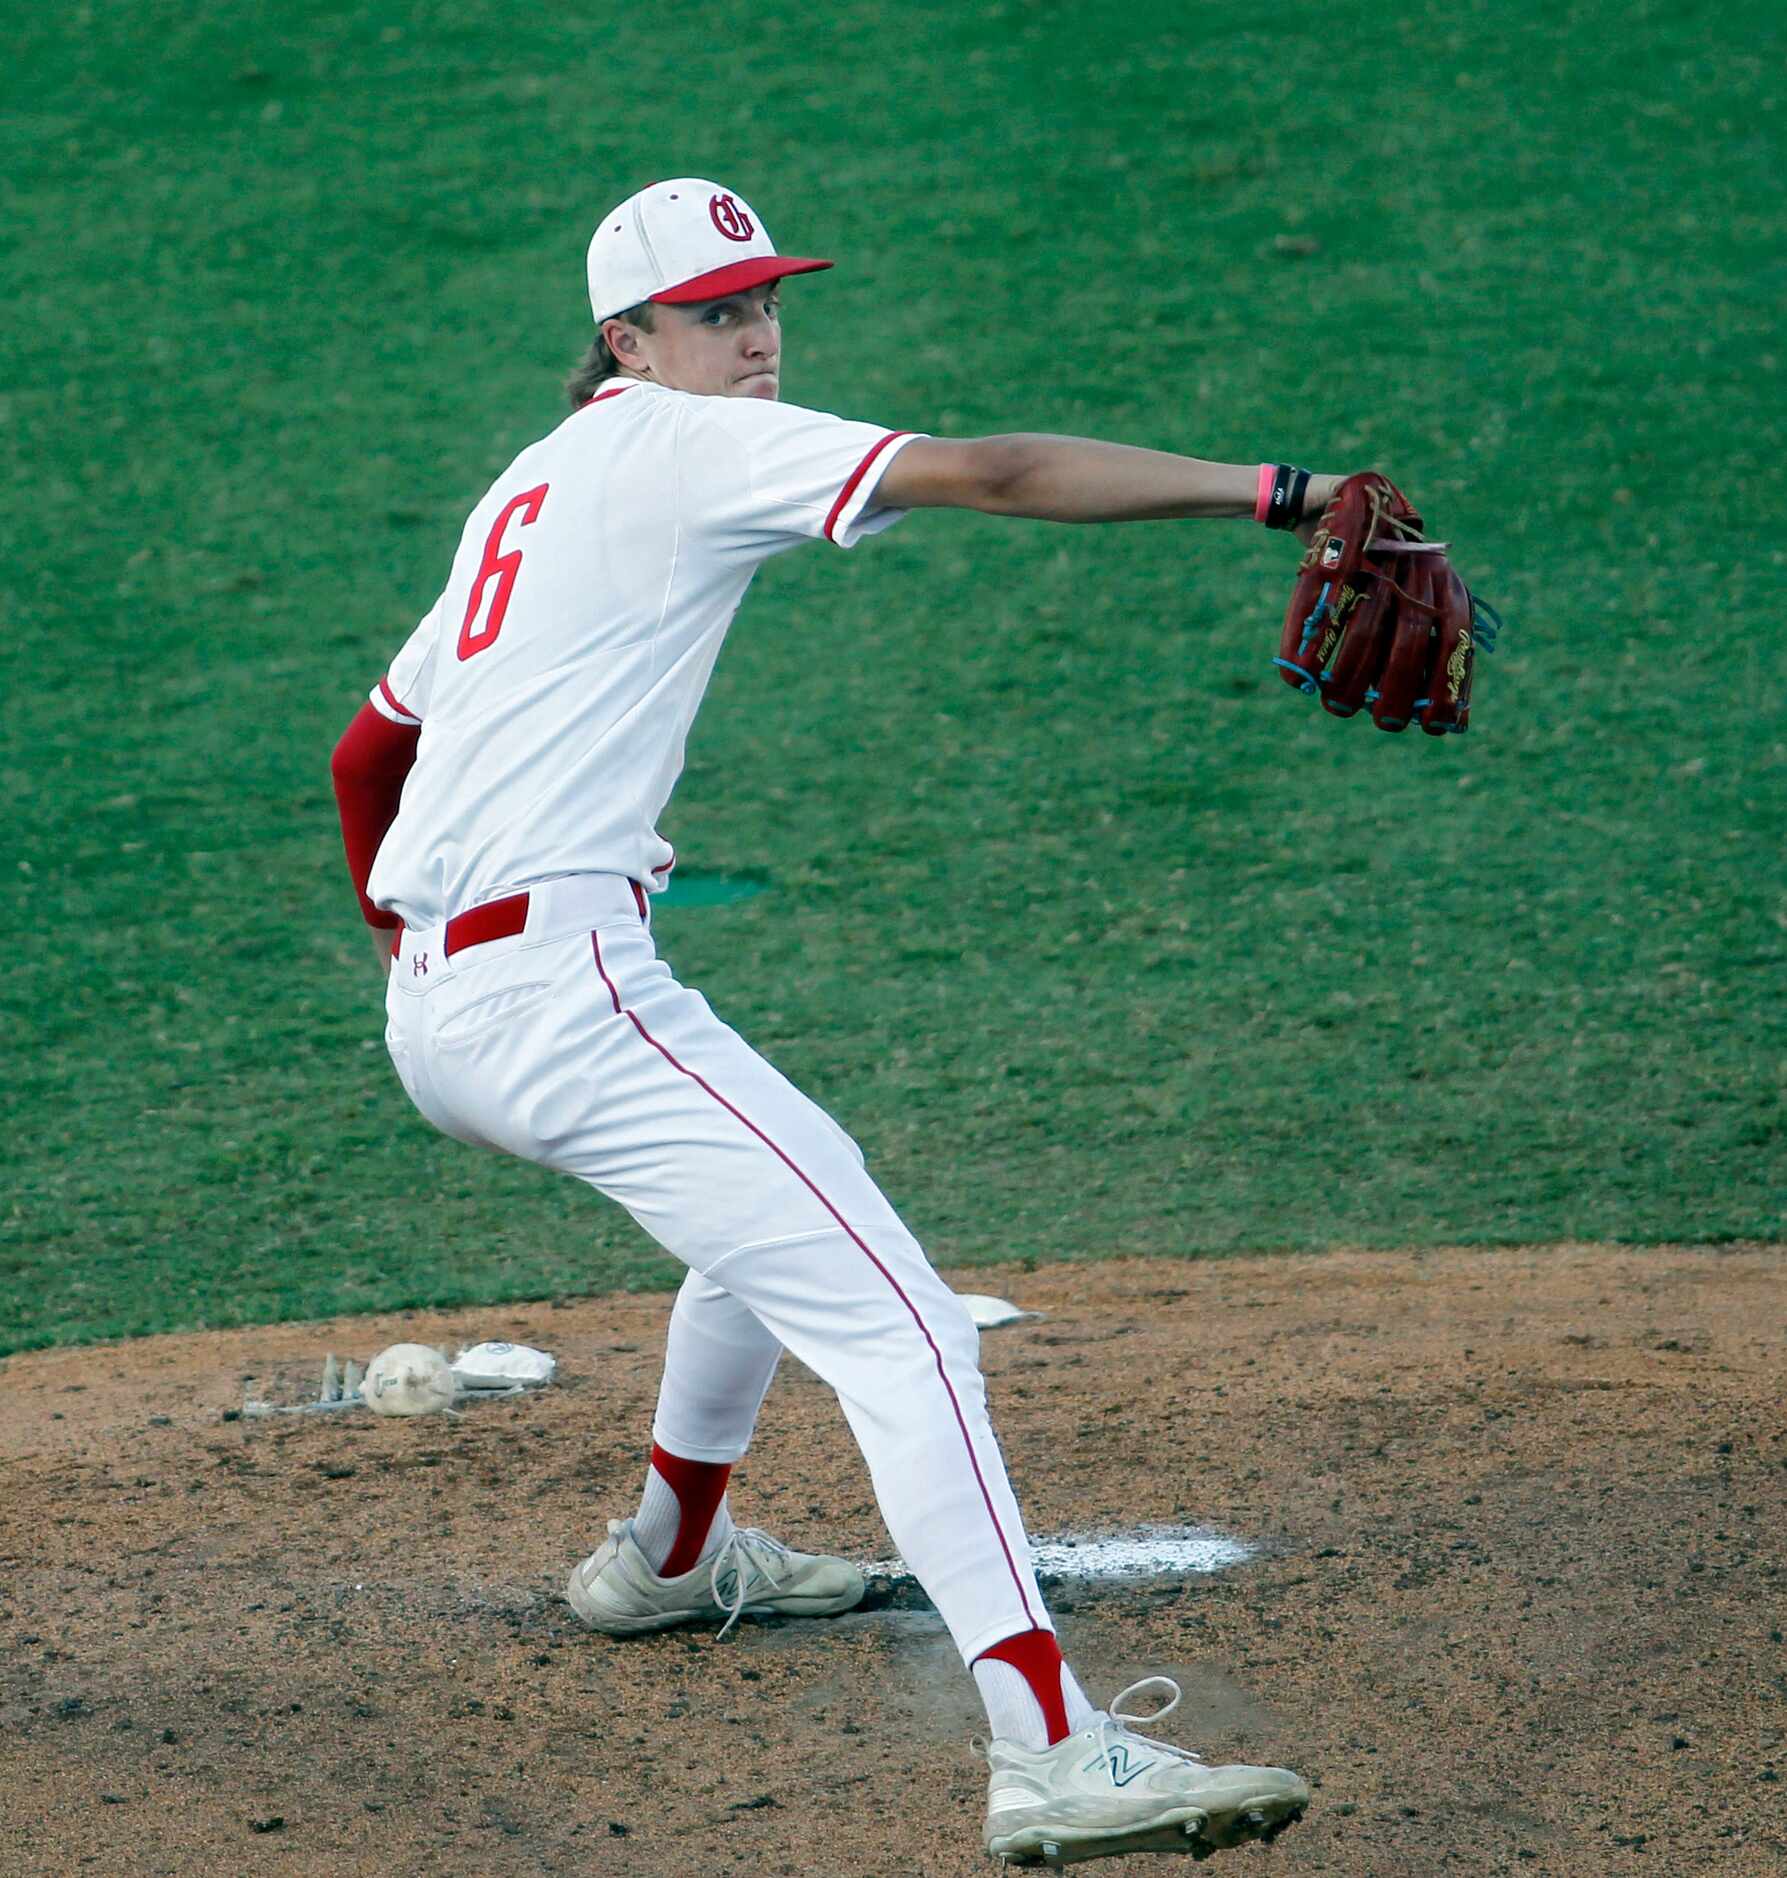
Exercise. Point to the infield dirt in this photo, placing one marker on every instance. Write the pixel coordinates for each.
(1519, 1605)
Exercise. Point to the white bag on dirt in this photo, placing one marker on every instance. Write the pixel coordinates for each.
(504, 1366)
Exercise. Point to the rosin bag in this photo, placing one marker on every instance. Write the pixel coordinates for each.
(504, 1366)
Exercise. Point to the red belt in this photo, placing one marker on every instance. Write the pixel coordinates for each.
(496, 919)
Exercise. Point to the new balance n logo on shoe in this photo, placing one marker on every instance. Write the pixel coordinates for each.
(1123, 1769)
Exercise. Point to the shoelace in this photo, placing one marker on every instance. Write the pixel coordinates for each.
(1117, 1716)
(745, 1546)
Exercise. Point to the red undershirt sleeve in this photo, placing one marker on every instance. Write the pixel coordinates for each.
(369, 766)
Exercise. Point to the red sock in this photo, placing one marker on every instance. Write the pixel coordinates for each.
(1036, 1656)
(699, 1487)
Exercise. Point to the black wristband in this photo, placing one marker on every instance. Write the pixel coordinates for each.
(1299, 490)
(1289, 487)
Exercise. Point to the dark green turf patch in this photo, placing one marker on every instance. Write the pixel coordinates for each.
(695, 886)
(1095, 934)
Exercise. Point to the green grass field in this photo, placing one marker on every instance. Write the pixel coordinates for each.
(1097, 936)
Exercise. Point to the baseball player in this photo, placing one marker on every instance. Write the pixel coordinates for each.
(499, 798)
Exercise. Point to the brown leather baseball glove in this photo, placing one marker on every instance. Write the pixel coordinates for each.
(1378, 616)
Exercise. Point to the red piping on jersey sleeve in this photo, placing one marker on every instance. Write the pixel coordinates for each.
(856, 476)
(369, 767)
(396, 704)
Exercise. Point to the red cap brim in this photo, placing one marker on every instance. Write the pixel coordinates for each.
(737, 277)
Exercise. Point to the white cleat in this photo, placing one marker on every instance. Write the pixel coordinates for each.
(1108, 1790)
(614, 1590)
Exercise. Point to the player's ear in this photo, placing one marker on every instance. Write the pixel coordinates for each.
(622, 340)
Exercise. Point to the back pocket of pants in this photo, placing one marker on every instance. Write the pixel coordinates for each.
(488, 1012)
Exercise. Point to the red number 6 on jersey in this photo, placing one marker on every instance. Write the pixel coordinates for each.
(502, 568)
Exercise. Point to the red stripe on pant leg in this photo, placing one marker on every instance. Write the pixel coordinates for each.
(595, 947)
(860, 1244)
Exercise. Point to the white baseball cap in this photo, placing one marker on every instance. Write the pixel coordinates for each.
(682, 241)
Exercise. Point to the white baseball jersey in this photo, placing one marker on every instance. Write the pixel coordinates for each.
(556, 678)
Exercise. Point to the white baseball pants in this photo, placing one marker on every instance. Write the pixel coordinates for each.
(571, 1044)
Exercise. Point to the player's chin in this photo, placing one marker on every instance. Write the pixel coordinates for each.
(758, 385)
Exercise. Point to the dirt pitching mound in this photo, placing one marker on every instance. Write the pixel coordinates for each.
(1518, 1605)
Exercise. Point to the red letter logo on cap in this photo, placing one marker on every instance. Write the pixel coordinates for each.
(730, 219)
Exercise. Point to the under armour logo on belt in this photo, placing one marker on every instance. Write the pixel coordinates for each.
(419, 965)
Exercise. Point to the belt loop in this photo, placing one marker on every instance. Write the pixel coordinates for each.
(639, 901)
